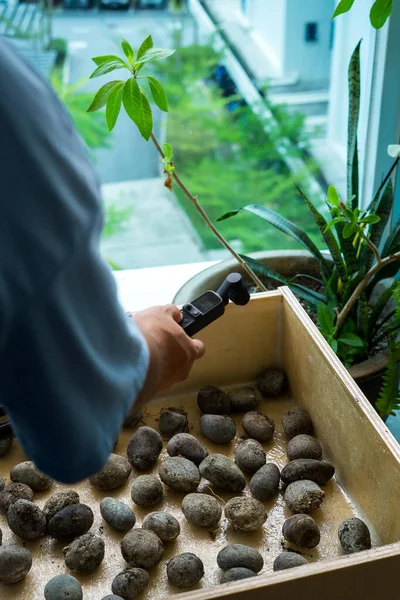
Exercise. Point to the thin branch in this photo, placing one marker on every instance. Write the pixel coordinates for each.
(210, 224)
(372, 246)
(359, 289)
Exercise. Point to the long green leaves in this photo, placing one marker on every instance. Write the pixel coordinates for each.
(383, 210)
(380, 12)
(114, 106)
(343, 7)
(354, 111)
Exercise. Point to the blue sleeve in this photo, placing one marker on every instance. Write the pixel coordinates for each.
(71, 363)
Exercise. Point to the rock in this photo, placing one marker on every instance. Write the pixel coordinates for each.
(265, 482)
(271, 382)
(258, 426)
(303, 496)
(133, 418)
(117, 514)
(250, 456)
(245, 514)
(301, 530)
(304, 446)
(163, 524)
(58, 501)
(223, 473)
(297, 421)
(239, 555)
(318, 471)
(213, 401)
(185, 570)
(15, 563)
(85, 554)
(287, 560)
(142, 548)
(146, 491)
(113, 475)
(27, 473)
(71, 522)
(220, 429)
(202, 510)
(2, 484)
(186, 445)
(13, 492)
(244, 399)
(112, 597)
(63, 586)
(129, 584)
(5, 446)
(144, 448)
(172, 421)
(26, 520)
(179, 474)
(236, 574)
(354, 536)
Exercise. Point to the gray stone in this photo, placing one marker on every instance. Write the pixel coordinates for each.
(244, 399)
(117, 514)
(271, 382)
(164, 525)
(71, 522)
(223, 473)
(146, 491)
(297, 421)
(240, 555)
(354, 536)
(85, 554)
(15, 563)
(318, 471)
(288, 560)
(301, 530)
(13, 492)
(26, 520)
(129, 583)
(245, 514)
(144, 448)
(213, 401)
(236, 574)
(304, 446)
(250, 456)
(27, 473)
(113, 475)
(258, 426)
(220, 429)
(179, 474)
(172, 421)
(265, 482)
(142, 548)
(185, 570)
(133, 419)
(303, 496)
(63, 586)
(202, 510)
(186, 445)
(58, 501)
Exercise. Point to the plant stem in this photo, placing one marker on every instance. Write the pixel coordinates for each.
(359, 289)
(209, 223)
(372, 246)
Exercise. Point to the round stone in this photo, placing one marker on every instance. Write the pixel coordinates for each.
(271, 382)
(303, 496)
(13, 492)
(240, 555)
(318, 471)
(202, 510)
(27, 473)
(164, 525)
(133, 418)
(85, 554)
(185, 570)
(236, 574)
(250, 456)
(244, 399)
(179, 474)
(142, 548)
(15, 563)
(354, 536)
(117, 514)
(301, 530)
(144, 448)
(26, 520)
(186, 445)
(220, 429)
(245, 514)
(113, 475)
(265, 482)
(297, 421)
(213, 401)
(304, 446)
(258, 426)
(63, 586)
(71, 522)
(146, 491)
(288, 560)
(129, 584)
(58, 501)
(172, 421)
(223, 473)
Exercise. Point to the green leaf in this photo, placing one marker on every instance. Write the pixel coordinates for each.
(168, 152)
(102, 95)
(389, 396)
(146, 122)
(380, 12)
(334, 346)
(132, 99)
(285, 226)
(154, 54)
(333, 196)
(349, 230)
(109, 66)
(343, 7)
(146, 45)
(333, 222)
(383, 210)
(354, 110)
(378, 307)
(158, 93)
(128, 50)
(325, 318)
(370, 219)
(351, 339)
(114, 106)
(352, 283)
(101, 60)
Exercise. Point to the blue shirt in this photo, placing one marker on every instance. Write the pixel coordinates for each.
(71, 363)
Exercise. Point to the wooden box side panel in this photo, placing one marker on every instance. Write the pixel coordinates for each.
(239, 345)
(366, 456)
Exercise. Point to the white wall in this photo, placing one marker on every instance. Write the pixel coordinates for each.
(268, 18)
(309, 60)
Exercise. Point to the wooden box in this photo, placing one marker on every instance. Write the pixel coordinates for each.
(273, 330)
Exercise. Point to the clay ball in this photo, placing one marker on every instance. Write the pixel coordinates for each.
(144, 448)
(303, 496)
(288, 560)
(186, 445)
(164, 525)
(354, 536)
(13, 492)
(129, 584)
(85, 554)
(172, 421)
(133, 418)
(185, 570)
(304, 446)
(318, 471)
(26, 520)
(245, 514)
(202, 510)
(63, 586)
(113, 475)
(71, 522)
(301, 530)
(146, 491)
(239, 555)
(236, 574)
(250, 456)
(142, 548)
(58, 501)
(179, 474)
(5, 446)
(213, 401)
(270, 382)
(223, 473)
(258, 426)
(27, 473)
(15, 563)
(117, 514)
(244, 399)
(297, 421)
(220, 429)
(265, 482)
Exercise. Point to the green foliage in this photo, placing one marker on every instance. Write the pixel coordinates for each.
(115, 219)
(129, 93)
(379, 13)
